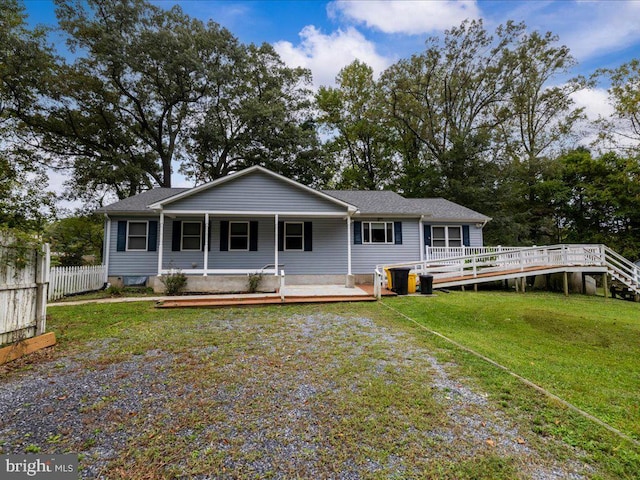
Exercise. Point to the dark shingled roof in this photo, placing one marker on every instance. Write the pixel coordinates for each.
(368, 202)
(385, 202)
(443, 208)
(138, 203)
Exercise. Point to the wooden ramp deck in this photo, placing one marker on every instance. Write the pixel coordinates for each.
(498, 275)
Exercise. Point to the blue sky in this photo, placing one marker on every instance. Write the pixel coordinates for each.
(324, 36)
(327, 35)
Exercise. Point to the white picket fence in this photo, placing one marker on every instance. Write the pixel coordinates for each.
(71, 280)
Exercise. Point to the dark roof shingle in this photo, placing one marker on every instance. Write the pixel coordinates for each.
(385, 202)
(138, 203)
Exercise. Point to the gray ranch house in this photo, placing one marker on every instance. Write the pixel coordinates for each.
(258, 221)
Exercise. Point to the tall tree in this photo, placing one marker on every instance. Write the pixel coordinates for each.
(602, 200)
(261, 115)
(446, 98)
(540, 119)
(362, 142)
(122, 109)
(25, 62)
(624, 93)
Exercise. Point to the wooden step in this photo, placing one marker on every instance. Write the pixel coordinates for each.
(248, 302)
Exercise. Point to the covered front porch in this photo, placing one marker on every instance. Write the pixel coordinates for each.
(229, 246)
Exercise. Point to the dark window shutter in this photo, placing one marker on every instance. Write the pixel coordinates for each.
(465, 236)
(357, 233)
(427, 234)
(308, 236)
(176, 237)
(122, 236)
(397, 233)
(224, 236)
(280, 236)
(202, 234)
(152, 239)
(253, 236)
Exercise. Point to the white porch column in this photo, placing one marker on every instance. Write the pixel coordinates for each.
(351, 281)
(275, 264)
(205, 263)
(160, 243)
(348, 244)
(107, 246)
(421, 233)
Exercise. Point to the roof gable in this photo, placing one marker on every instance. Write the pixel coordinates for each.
(254, 189)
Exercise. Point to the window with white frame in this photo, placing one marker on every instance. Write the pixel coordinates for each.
(377, 232)
(191, 235)
(294, 236)
(137, 235)
(446, 236)
(238, 235)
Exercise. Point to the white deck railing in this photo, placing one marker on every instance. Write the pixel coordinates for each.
(437, 253)
(503, 260)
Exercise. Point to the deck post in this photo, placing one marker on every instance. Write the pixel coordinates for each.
(605, 284)
(584, 283)
(565, 282)
(523, 284)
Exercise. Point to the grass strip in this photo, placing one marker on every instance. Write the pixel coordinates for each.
(524, 380)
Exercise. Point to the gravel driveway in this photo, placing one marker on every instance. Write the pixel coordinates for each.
(317, 395)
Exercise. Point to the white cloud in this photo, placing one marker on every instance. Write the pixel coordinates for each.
(325, 55)
(409, 17)
(595, 102)
(588, 28)
(600, 27)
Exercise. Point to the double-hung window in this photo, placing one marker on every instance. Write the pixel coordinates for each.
(377, 232)
(191, 235)
(294, 236)
(137, 236)
(446, 236)
(238, 235)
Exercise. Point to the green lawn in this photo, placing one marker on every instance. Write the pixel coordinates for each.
(585, 350)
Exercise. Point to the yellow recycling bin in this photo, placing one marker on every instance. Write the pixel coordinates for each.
(389, 283)
(411, 287)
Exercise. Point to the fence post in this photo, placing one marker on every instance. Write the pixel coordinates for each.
(43, 261)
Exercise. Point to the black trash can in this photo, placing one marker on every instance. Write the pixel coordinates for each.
(426, 284)
(400, 280)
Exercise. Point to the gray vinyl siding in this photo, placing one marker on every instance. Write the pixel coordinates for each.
(255, 192)
(130, 263)
(365, 257)
(475, 236)
(329, 254)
